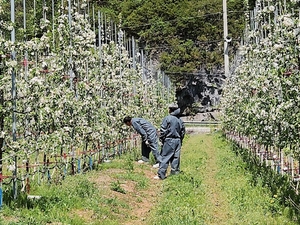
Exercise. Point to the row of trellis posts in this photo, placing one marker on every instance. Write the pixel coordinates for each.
(53, 168)
(275, 158)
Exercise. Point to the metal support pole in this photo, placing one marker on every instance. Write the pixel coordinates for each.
(100, 22)
(13, 93)
(226, 59)
(133, 53)
(53, 31)
(71, 73)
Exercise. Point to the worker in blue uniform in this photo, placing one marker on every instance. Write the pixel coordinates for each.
(149, 137)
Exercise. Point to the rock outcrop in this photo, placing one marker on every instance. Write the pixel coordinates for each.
(201, 92)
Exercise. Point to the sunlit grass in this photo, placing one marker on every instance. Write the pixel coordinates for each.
(79, 199)
(187, 198)
(214, 187)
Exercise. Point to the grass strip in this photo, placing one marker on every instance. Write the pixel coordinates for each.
(215, 188)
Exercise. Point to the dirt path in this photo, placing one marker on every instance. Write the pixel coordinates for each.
(139, 201)
(219, 205)
(141, 209)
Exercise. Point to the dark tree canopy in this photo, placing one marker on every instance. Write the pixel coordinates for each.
(184, 36)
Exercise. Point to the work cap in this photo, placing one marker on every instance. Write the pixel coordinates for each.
(173, 106)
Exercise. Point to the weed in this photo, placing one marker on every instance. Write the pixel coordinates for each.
(116, 186)
(129, 164)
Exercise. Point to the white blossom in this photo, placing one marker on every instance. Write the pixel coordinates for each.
(272, 8)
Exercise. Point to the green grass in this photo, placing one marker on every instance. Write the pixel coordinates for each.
(215, 187)
(210, 169)
(81, 199)
(60, 204)
(249, 204)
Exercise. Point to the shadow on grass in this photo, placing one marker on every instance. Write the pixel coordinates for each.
(279, 185)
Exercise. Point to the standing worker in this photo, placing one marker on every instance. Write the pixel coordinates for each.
(176, 113)
(172, 132)
(149, 137)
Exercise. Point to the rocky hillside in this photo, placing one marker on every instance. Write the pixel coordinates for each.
(201, 92)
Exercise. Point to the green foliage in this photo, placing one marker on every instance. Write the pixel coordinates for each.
(183, 35)
(60, 204)
(116, 186)
(129, 164)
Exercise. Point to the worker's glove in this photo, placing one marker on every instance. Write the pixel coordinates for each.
(161, 141)
(147, 143)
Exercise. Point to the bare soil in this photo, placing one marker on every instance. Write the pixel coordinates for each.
(140, 201)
